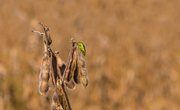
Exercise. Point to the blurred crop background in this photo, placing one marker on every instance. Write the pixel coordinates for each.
(133, 52)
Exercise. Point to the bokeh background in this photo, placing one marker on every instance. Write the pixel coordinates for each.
(133, 52)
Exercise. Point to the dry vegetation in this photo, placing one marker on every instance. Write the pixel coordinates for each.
(133, 52)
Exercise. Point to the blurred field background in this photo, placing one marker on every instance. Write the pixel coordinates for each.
(133, 53)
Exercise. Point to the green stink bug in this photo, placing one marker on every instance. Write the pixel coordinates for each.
(82, 47)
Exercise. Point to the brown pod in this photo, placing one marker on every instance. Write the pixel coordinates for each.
(45, 69)
(70, 84)
(71, 68)
(68, 74)
(81, 60)
(82, 70)
(43, 76)
(55, 106)
(55, 98)
(82, 64)
(56, 102)
(43, 87)
(61, 64)
(76, 76)
(74, 62)
(84, 81)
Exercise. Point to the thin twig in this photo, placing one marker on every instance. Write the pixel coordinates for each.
(38, 32)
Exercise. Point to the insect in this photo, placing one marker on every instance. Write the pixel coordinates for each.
(82, 47)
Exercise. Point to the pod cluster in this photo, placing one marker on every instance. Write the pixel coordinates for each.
(51, 72)
(57, 75)
(76, 71)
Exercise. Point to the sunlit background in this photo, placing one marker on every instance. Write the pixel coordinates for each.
(133, 52)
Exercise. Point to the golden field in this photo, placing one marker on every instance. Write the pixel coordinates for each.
(133, 52)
